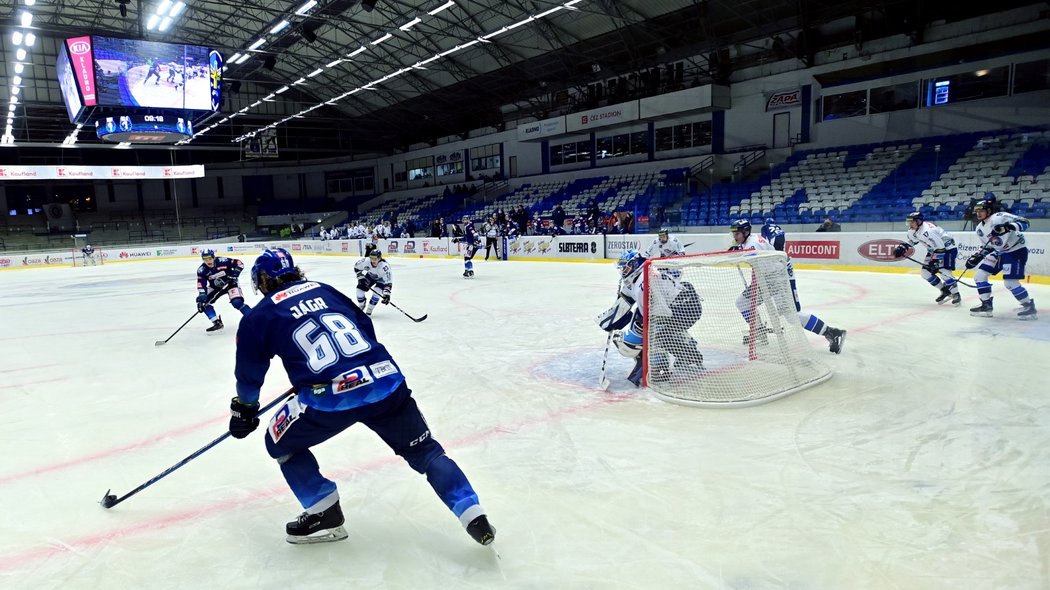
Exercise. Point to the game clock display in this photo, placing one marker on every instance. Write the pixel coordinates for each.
(135, 128)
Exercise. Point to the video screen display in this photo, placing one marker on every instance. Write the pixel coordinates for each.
(134, 73)
(68, 83)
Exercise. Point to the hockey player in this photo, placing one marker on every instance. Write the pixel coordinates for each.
(216, 276)
(89, 254)
(473, 243)
(373, 271)
(672, 299)
(773, 234)
(342, 375)
(664, 246)
(744, 240)
(940, 256)
(1003, 250)
(153, 64)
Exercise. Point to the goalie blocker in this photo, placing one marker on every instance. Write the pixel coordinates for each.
(692, 349)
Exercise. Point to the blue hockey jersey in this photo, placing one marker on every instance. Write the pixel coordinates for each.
(326, 343)
(226, 270)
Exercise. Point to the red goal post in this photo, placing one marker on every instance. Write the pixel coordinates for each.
(721, 330)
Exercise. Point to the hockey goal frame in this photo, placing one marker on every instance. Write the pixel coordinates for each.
(78, 258)
(757, 297)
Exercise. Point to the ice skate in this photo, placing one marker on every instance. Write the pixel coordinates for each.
(956, 299)
(323, 527)
(984, 310)
(216, 326)
(943, 297)
(369, 308)
(466, 274)
(836, 339)
(1027, 311)
(481, 531)
(760, 335)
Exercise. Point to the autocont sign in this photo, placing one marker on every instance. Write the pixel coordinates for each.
(819, 249)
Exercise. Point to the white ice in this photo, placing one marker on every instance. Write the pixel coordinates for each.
(922, 463)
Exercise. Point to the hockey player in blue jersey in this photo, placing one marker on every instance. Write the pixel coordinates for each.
(773, 234)
(217, 274)
(472, 242)
(342, 375)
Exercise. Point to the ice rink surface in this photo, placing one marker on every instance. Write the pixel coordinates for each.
(923, 463)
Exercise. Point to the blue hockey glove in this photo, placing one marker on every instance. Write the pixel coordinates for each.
(243, 418)
(202, 302)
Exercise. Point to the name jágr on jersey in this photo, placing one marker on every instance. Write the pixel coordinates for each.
(306, 306)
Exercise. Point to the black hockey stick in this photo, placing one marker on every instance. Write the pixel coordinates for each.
(957, 280)
(394, 305)
(218, 293)
(111, 500)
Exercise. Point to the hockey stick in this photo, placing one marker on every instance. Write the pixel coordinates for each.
(958, 280)
(603, 381)
(218, 294)
(394, 305)
(110, 500)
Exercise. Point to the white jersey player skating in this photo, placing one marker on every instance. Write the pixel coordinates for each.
(373, 271)
(745, 240)
(941, 252)
(671, 298)
(1003, 250)
(664, 246)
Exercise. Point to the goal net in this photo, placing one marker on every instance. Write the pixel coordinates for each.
(91, 257)
(721, 330)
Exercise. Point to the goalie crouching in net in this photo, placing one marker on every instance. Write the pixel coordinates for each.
(671, 298)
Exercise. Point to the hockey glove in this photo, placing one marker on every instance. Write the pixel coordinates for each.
(933, 265)
(1003, 228)
(900, 251)
(243, 418)
(202, 302)
(362, 284)
(386, 298)
(975, 259)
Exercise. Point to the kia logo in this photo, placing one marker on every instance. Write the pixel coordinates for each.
(879, 250)
(79, 47)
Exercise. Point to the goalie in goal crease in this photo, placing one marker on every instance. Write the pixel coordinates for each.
(675, 306)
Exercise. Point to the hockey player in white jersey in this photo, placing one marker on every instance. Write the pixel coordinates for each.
(626, 318)
(664, 246)
(373, 271)
(744, 240)
(1003, 250)
(941, 252)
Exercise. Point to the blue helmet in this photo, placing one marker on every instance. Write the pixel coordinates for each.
(770, 221)
(630, 263)
(273, 263)
(207, 253)
(740, 225)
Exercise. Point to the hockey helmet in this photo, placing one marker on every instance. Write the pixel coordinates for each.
(740, 225)
(915, 216)
(375, 255)
(985, 205)
(630, 263)
(272, 263)
(770, 221)
(207, 253)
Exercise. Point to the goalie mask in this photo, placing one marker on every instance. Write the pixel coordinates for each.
(630, 263)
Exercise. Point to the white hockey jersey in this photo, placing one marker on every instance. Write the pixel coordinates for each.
(379, 275)
(1011, 241)
(757, 242)
(931, 236)
(672, 248)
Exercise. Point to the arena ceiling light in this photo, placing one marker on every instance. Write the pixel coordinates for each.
(332, 64)
(20, 55)
(315, 72)
(258, 43)
(27, 18)
(306, 7)
(279, 27)
(30, 39)
(16, 37)
(357, 51)
(164, 24)
(383, 38)
(19, 68)
(444, 6)
(411, 24)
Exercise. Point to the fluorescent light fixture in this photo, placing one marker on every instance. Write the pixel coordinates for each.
(163, 7)
(357, 51)
(428, 60)
(20, 55)
(381, 39)
(19, 68)
(306, 7)
(244, 110)
(551, 11)
(449, 51)
(485, 38)
(30, 39)
(175, 10)
(164, 24)
(572, 3)
(235, 57)
(315, 72)
(80, 126)
(243, 58)
(14, 101)
(411, 24)
(280, 90)
(15, 90)
(16, 37)
(299, 81)
(279, 27)
(332, 64)
(259, 43)
(27, 18)
(256, 103)
(17, 80)
(221, 122)
(30, 2)
(269, 97)
(153, 21)
(521, 22)
(448, 4)
(470, 43)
